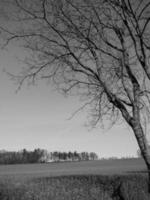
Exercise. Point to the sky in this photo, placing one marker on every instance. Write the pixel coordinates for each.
(38, 117)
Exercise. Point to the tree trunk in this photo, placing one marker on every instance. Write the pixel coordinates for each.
(143, 145)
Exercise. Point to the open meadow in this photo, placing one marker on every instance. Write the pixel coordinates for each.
(100, 167)
(89, 180)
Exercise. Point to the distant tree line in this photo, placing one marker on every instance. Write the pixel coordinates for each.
(72, 156)
(23, 156)
(43, 156)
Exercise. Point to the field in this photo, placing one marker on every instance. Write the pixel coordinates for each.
(101, 167)
(90, 180)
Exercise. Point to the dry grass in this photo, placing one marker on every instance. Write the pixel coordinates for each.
(94, 187)
(74, 181)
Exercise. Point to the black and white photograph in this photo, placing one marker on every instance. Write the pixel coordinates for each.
(74, 99)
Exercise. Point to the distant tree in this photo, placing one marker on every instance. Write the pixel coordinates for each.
(93, 156)
(75, 156)
(55, 156)
(46, 156)
(84, 156)
(87, 156)
(70, 156)
(24, 156)
(65, 156)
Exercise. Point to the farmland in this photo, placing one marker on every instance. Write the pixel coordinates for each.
(89, 180)
(105, 167)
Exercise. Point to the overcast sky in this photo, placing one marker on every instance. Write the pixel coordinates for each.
(37, 116)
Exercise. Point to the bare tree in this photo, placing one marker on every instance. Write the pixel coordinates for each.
(99, 49)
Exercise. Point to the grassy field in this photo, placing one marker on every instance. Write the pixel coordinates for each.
(91, 180)
(101, 167)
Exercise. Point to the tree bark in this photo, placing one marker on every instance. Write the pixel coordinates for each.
(142, 142)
